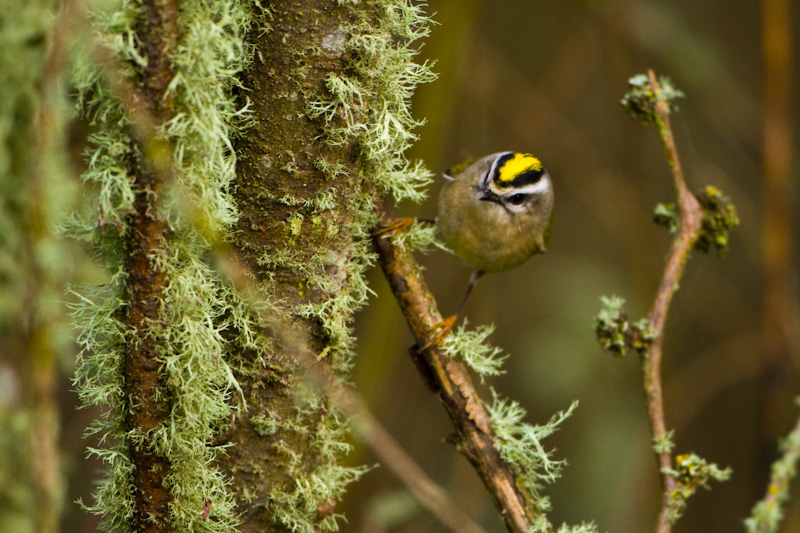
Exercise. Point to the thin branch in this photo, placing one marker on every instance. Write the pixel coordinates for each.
(427, 493)
(454, 384)
(690, 222)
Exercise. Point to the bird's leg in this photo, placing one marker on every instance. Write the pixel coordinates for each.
(443, 328)
(399, 225)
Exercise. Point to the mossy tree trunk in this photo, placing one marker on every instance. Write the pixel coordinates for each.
(211, 424)
(297, 233)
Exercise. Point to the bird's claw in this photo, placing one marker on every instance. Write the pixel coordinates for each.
(394, 227)
(442, 330)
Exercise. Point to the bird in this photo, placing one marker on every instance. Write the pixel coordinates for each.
(495, 213)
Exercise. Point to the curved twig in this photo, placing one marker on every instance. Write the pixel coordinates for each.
(690, 223)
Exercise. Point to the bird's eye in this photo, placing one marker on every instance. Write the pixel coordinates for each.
(517, 199)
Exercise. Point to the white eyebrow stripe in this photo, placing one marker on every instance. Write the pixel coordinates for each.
(493, 168)
(540, 186)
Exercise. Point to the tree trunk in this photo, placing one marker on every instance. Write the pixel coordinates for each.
(297, 233)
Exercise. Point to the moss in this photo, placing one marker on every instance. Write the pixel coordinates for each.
(199, 386)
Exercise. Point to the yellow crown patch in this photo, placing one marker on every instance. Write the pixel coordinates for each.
(516, 165)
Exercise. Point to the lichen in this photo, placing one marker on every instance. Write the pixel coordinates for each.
(520, 445)
(373, 105)
(691, 472)
(198, 382)
(472, 348)
(299, 508)
(616, 333)
(640, 101)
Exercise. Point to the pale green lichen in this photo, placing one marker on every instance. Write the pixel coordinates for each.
(299, 507)
(266, 423)
(640, 102)
(583, 528)
(520, 445)
(368, 108)
(199, 306)
(665, 442)
(471, 347)
(767, 515)
(373, 106)
(420, 236)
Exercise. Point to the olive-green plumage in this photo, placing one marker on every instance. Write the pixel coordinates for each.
(497, 212)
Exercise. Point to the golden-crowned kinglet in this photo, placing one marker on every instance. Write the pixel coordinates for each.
(496, 213)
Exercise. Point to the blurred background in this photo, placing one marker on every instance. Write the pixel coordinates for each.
(546, 78)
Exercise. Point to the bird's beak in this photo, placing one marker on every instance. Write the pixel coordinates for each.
(489, 196)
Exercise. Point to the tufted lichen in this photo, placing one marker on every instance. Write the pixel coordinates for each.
(330, 91)
(198, 385)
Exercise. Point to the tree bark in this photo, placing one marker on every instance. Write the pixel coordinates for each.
(299, 248)
(147, 251)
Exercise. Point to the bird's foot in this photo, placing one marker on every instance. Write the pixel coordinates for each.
(442, 329)
(394, 226)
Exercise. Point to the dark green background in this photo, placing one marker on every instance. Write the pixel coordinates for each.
(546, 78)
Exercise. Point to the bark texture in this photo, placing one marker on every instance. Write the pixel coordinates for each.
(296, 236)
(146, 248)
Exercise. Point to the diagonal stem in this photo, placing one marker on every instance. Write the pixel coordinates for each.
(454, 385)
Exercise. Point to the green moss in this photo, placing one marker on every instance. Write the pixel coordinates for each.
(199, 306)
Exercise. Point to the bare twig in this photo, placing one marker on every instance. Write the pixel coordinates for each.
(690, 220)
(454, 385)
(427, 493)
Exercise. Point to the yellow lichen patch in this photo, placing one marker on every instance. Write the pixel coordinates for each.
(516, 165)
